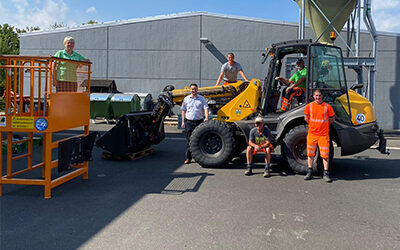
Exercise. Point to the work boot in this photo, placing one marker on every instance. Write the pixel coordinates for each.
(248, 171)
(326, 177)
(309, 175)
(267, 173)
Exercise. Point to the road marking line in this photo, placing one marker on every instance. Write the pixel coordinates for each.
(175, 138)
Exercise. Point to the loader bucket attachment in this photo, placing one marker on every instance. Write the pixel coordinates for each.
(137, 130)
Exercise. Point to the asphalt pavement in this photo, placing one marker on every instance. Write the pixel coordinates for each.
(157, 202)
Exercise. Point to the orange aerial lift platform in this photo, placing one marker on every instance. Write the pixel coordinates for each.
(47, 108)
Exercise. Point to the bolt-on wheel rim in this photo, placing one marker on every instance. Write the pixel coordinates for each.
(300, 150)
(211, 143)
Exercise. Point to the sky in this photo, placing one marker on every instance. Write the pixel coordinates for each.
(44, 13)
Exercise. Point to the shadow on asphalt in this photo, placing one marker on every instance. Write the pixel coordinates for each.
(357, 169)
(80, 209)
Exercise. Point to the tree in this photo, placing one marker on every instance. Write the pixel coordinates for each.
(90, 22)
(57, 25)
(9, 45)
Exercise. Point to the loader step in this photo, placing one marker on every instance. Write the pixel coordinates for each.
(128, 156)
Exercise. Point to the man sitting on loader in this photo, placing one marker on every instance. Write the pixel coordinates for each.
(296, 85)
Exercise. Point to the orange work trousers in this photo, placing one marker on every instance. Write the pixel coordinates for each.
(287, 98)
(263, 150)
(323, 144)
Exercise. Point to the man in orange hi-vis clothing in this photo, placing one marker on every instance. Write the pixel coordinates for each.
(319, 115)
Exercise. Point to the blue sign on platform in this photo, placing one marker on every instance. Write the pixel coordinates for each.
(41, 124)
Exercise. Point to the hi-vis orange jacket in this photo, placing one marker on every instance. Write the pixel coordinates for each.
(319, 118)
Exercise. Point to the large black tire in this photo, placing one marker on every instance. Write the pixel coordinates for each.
(294, 151)
(212, 144)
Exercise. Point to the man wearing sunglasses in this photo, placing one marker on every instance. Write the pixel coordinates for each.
(259, 141)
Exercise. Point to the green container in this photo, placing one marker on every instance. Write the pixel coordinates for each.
(100, 105)
(19, 147)
(122, 104)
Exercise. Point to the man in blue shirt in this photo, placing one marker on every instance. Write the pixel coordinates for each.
(194, 111)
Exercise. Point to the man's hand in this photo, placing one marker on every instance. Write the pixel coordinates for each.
(257, 148)
(289, 88)
(266, 144)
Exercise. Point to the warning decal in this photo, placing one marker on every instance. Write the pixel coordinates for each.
(22, 122)
(246, 104)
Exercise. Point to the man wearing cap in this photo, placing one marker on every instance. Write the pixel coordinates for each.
(296, 85)
(230, 70)
(259, 141)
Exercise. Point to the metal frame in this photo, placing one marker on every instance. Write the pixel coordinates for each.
(53, 111)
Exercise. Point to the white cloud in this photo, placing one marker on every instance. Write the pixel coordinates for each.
(91, 9)
(385, 21)
(21, 13)
(385, 4)
(386, 15)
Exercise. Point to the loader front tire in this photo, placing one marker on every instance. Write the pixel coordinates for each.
(294, 151)
(212, 144)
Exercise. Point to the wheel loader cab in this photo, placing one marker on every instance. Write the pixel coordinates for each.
(325, 71)
(272, 88)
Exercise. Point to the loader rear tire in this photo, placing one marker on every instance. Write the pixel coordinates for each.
(212, 144)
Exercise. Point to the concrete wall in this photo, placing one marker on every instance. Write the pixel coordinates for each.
(145, 55)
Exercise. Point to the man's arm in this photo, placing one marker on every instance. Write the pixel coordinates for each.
(220, 78)
(243, 75)
(183, 118)
(206, 114)
(266, 144)
(255, 146)
(54, 76)
(282, 79)
(300, 81)
(331, 119)
(307, 118)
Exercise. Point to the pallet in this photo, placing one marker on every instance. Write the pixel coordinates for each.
(128, 156)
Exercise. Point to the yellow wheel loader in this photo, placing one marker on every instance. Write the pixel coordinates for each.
(216, 142)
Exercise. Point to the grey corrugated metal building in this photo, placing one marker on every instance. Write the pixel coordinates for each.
(146, 54)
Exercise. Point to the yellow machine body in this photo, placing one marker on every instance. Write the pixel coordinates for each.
(362, 111)
(242, 105)
(208, 92)
(246, 98)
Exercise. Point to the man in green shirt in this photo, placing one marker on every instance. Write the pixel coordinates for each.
(296, 85)
(66, 80)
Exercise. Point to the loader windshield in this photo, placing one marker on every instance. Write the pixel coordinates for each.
(327, 74)
(327, 67)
